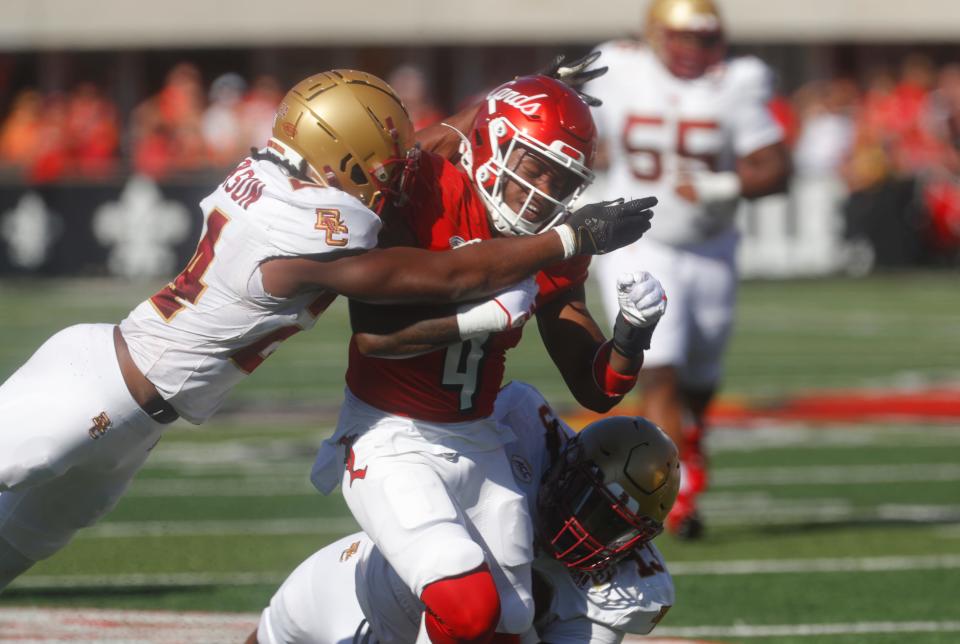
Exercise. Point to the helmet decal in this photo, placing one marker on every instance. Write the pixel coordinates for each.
(515, 99)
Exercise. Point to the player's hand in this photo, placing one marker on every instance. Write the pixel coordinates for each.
(602, 227)
(508, 309)
(642, 304)
(576, 75)
(641, 297)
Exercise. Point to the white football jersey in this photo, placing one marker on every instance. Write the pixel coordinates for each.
(629, 598)
(196, 338)
(657, 128)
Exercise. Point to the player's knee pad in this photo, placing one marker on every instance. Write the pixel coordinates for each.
(464, 609)
(12, 563)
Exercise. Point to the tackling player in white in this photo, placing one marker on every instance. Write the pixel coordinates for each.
(597, 498)
(292, 227)
(680, 122)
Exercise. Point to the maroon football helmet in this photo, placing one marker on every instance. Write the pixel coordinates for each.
(608, 492)
(531, 148)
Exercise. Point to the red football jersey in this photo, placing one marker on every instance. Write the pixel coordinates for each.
(461, 382)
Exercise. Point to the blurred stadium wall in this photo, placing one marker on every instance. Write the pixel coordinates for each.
(123, 199)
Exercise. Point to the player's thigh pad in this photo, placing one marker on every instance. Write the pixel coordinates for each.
(404, 506)
(59, 474)
(500, 516)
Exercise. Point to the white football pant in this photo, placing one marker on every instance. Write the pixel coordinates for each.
(71, 441)
(317, 603)
(438, 500)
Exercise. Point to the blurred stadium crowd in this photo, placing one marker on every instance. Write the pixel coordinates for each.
(185, 126)
(889, 137)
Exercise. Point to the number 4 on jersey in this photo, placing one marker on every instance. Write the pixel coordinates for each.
(188, 286)
(461, 369)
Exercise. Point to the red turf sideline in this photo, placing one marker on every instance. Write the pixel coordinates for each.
(939, 404)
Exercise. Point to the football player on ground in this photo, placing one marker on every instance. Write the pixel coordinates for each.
(290, 228)
(681, 122)
(597, 498)
(426, 475)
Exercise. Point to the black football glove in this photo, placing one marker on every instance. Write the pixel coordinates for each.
(602, 227)
(630, 341)
(576, 75)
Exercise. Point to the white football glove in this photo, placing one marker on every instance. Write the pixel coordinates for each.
(642, 300)
(508, 309)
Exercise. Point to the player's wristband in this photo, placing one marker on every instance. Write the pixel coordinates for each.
(629, 340)
(716, 186)
(483, 317)
(610, 382)
(568, 239)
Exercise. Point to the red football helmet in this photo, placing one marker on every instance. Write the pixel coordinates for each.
(609, 491)
(530, 152)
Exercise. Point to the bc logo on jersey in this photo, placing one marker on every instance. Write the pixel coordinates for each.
(329, 221)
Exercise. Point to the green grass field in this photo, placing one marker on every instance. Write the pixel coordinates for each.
(834, 533)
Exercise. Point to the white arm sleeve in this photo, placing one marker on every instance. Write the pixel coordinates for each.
(752, 123)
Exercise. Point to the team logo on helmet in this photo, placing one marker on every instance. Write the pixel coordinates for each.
(515, 99)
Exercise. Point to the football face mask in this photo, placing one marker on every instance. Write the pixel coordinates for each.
(529, 153)
(533, 187)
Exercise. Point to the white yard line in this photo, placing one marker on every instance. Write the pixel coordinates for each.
(142, 580)
(52, 626)
(834, 475)
(835, 564)
(678, 569)
(721, 509)
(274, 483)
(811, 630)
(49, 626)
(248, 486)
(189, 528)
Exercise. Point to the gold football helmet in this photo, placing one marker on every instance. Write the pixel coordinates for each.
(350, 128)
(687, 35)
(609, 492)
